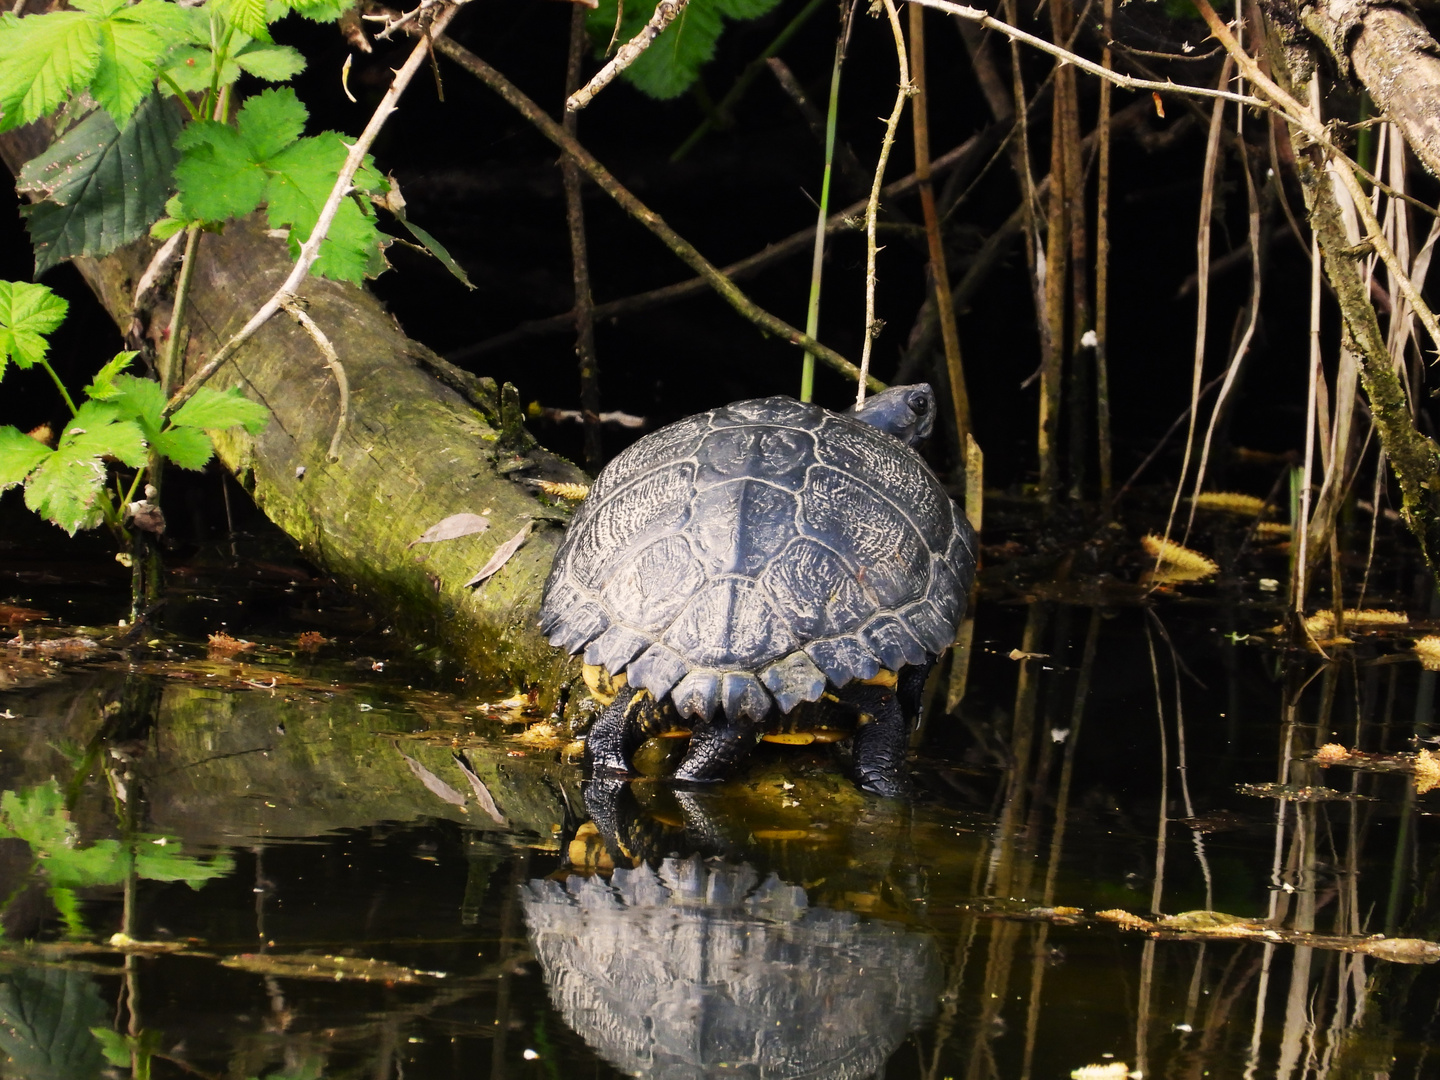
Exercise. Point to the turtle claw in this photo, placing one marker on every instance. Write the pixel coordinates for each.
(607, 746)
(715, 749)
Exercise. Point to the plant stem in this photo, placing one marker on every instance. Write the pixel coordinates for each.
(872, 208)
(817, 260)
(945, 305)
(1102, 276)
(59, 386)
(584, 307)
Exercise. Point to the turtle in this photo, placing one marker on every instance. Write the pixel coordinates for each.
(757, 559)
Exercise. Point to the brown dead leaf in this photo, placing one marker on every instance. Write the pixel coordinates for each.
(310, 641)
(13, 615)
(222, 645)
(502, 554)
(482, 793)
(452, 528)
(437, 787)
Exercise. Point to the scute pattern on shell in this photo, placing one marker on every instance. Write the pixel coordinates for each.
(760, 549)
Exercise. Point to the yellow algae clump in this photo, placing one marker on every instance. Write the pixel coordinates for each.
(1229, 502)
(1330, 754)
(1177, 562)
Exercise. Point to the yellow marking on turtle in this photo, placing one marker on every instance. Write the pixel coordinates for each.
(602, 684)
(789, 738)
(884, 677)
(675, 733)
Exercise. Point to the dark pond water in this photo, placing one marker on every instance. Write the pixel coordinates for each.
(351, 863)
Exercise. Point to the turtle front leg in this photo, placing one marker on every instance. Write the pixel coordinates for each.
(715, 749)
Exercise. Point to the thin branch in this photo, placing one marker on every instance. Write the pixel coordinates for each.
(666, 12)
(332, 359)
(1068, 57)
(584, 309)
(794, 244)
(607, 183)
(310, 250)
(872, 209)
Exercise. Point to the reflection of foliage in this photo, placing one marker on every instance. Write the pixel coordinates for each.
(45, 1021)
(37, 815)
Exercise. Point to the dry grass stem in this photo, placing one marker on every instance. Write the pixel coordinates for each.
(665, 13)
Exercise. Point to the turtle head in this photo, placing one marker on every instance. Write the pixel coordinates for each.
(907, 412)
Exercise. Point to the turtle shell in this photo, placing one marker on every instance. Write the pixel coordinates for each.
(747, 556)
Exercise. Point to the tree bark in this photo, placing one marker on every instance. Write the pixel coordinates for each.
(415, 449)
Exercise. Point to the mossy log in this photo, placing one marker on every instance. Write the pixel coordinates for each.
(414, 449)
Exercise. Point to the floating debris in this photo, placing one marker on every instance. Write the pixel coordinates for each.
(222, 645)
(1427, 772)
(1322, 623)
(1124, 919)
(1428, 649)
(1113, 1070)
(561, 490)
(1311, 793)
(333, 968)
(1230, 502)
(1330, 754)
(310, 641)
(1176, 561)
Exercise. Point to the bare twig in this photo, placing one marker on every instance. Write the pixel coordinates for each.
(1102, 290)
(310, 250)
(666, 12)
(607, 183)
(332, 360)
(1068, 57)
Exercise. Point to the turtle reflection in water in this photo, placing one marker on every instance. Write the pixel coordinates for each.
(759, 559)
(697, 969)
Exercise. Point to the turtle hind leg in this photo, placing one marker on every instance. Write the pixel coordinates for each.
(612, 737)
(715, 749)
(882, 738)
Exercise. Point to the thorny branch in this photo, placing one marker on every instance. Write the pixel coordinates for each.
(666, 12)
(297, 311)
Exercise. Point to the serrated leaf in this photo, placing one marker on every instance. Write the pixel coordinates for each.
(220, 409)
(187, 447)
(140, 400)
(102, 386)
(273, 63)
(321, 11)
(45, 1017)
(247, 16)
(131, 45)
(114, 1046)
(192, 66)
(157, 860)
(301, 181)
(102, 187)
(166, 227)
(19, 456)
(217, 175)
(68, 486)
(27, 313)
(44, 59)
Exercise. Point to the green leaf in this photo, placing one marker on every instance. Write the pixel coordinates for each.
(247, 16)
(166, 227)
(27, 313)
(44, 59)
(102, 387)
(220, 409)
(45, 1021)
(132, 41)
(672, 62)
(68, 487)
(321, 11)
(187, 447)
(157, 860)
(19, 456)
(273, 63)
(192, 66)
(395, 203)
(102, 187)
(303, 175)
(114, 1046)
(140, 400)
(222, 173)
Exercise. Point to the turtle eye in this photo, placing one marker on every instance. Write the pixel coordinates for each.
(920, 404)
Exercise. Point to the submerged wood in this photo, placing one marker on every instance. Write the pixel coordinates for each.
(412, 452)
